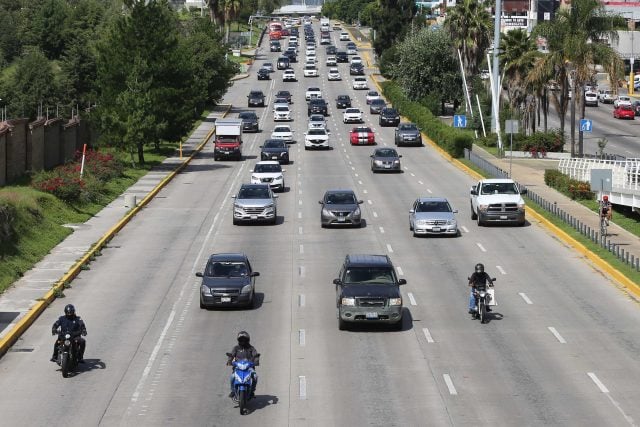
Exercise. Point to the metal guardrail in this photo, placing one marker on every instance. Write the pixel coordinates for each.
(551, 207)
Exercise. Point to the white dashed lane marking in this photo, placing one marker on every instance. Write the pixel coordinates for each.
(450, 386)
(381, 230)
(556, 334)
(481, 247)
(301, 300)
(412, 300)
(389, 248)
(465, 229)
(427, 335)
(400, 272)
(525, 298)
(501, 270)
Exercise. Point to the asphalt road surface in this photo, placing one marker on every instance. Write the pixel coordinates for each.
(561, 348)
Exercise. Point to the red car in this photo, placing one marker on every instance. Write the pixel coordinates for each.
(624, 112)
(362, 136)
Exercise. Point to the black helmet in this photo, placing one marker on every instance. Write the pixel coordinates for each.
(243, 338)
(479, 268)
(69, 310)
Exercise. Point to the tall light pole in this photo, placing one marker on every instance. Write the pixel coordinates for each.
(496, 64)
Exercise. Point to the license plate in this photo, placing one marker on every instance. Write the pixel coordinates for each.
(434, 229)
(226, 152)
(371, 315)
(254, 216)
(341, 219)
(274, 157)
(503, 217)
(225, 299)
(387, 166)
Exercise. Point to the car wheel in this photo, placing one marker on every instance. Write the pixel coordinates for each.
(410, 226)
(480, 221)
(397, 326)
(235, 221)
(342, 325)
(473, 214)
(202, 304)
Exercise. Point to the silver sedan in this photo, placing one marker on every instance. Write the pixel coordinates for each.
(385, 160)
(432, 215)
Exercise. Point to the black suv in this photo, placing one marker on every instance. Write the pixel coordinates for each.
(343, 101)
(249, 121)
(264, 74)
(389, 117)
(284, 94)
(356, 69)
(317, 106)
(368, 291)
(255, 98)
(228, 280)
(275, 46)
(331, 50)
(341, 56)
(291, 55)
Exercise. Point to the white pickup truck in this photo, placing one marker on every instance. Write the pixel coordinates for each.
(497, 200)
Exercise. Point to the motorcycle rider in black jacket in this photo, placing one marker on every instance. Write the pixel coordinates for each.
(478, 280)
(244, 350)
(71, 324)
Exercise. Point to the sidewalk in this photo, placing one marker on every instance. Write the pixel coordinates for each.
(29, 291)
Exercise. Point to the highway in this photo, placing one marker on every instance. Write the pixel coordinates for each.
(561, 348)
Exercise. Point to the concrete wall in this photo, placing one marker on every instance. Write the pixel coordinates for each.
(17, 149)
(69, 140)
(52, 137)
(35, 146)
(4, 130)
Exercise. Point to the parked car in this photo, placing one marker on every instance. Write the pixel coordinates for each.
(268, 172)
(362, 135)
(275, 149)
(432, 215)
(343, 101)
(385, 160)
(352, 115)
(624, 111)
(249, 121)
(408, 134)
(389, 117)
(255, 98)
(283, 133)
(376, 106)
(591, 99)
(316, 138)
(228, 280)
(371, 95)
(340, 207)
(255, 203)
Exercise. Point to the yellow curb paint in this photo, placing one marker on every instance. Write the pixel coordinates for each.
(34, 311)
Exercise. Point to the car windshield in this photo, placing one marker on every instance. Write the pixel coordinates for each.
(282, 109)
(433, 206)
(267, 168)
(316, 132)
(226, 269)
(362, 130)
(267, 65)
(254, 193)
(352, 110)
(343, 97)
(281, 129)
(259, 94)
(310, 67)
(283, 94)
(379, 275)
(372, 93)
(247, 116)
(316, 118)
(389, 111)
(386, 152)
(313, 89)
(499, 188)
(274, 144)
(340, 199)
(408, 127)
(377, 102)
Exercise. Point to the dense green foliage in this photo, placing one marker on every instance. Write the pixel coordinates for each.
(349, 11)
(575, 189)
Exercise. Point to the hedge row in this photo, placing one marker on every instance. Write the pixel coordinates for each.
(539, 142)
(569, 187)
(452, 140)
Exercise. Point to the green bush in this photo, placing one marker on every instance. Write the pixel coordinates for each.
(452, 140)
(573, 188)
(543, 142)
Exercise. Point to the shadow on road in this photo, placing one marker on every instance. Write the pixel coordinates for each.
(261, 401)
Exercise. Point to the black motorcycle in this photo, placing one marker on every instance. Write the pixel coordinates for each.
(68, 352)
(483, 298)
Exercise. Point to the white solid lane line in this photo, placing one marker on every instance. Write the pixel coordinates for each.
(481, 247)
(501, 270)
(400, 272)
(525, 297)
(389, 248)
(302, 387)
(412, 300)
(301, 300)
(302, 337)
(427, 335)
(450, 386)
(556, 334)
(598, 382)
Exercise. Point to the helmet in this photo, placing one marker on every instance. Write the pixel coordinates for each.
(243, 338)
(479, 268)
(69, 310)
(605, 198)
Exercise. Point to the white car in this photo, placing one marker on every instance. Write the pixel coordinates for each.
(268, 172)
(621, 100)
(317, 121)
(591, 98)
(289, 76)
(310, 62)
(311, 57)
(344, 36)
(310, 71)
(352, 50)
(360, 83)
(283, 133)
(372, 95)
(334, 74)
(355, 60)
(352, 115)
(331, 61)
(281, 113)
(313, 92)
(316, 138)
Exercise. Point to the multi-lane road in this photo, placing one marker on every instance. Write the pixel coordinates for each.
(562, 346)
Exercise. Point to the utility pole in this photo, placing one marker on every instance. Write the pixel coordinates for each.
(496, 64)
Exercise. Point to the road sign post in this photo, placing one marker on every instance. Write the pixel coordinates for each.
(459, 121)
(586, 125)
(510, 127)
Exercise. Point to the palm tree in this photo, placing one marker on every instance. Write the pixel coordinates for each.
(517, 55)
(230, 10)
(470, 26)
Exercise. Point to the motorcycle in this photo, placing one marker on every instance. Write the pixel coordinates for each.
(483, 298)
(242, 381)
(68, 350)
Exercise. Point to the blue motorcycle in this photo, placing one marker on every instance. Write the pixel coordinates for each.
(242, 381)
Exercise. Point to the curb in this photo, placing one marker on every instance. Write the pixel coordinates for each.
(34, 311)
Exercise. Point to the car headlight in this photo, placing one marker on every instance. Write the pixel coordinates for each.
(326, 212)
(521, 206)
(246, 289)
(254, 177)
(421, 222)
(483, 207)
(357, 212)
(279, 177)
(348, 301)
(396, 162)
(395, 301)
(205, 290)
(451, 222)
(378, 162)
(238, 209)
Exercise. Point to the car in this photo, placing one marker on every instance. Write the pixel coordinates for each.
(389, 117)
(360, 83)
(624, 111)
(622, 100)
(310, 59)
(317, 121)
(343, 101)
(284, 94)
(371, 95)
(362, 135)
(331, 50)
(408, 134)
(336, 27)
(227, 281)
(591, 98)
(316, 138)
(268, 66)
(255, 98)
(432, 215)
(352, 115)
(264, 74)
(283, 63)
(344, 36)
(376, 106)
(368, 291)
(310, 63)
(356, 69)
(340, 207)
(352, 50)
(249, 121)
(312, 92)
(333, 74)
(281, 113)
(289, 76)
(255, 203)
(331, 61)
(292, 56)
(385, 160)
(268, 172)
(285, 31)
(310, 71)
(606, 96)
(317, 106)
(355, 60)
(275, 46)
(283, 133)
(275, 149)
(325, 40)
(341, 56)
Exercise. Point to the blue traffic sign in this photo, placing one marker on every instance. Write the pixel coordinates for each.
(460, 121)
(586, 125)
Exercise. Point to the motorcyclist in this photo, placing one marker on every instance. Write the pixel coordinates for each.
(71, 324)
(478, 280)
(244, 350)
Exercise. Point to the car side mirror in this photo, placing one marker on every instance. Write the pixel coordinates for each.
(199, 274)
(412, 211)
(255, 274)
(473, 191)
(229, 354)
(233, 197)
(284, 170)
(455, 211)
(400, 156)
(260, 146)
(360, 202)
(337, 282)
(402, 282)
(371, 156)
(493, 279)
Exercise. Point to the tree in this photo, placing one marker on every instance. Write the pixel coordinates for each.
(470, 27)
(49, 27)
(391, 22)
(31, 85)
(230, 10)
